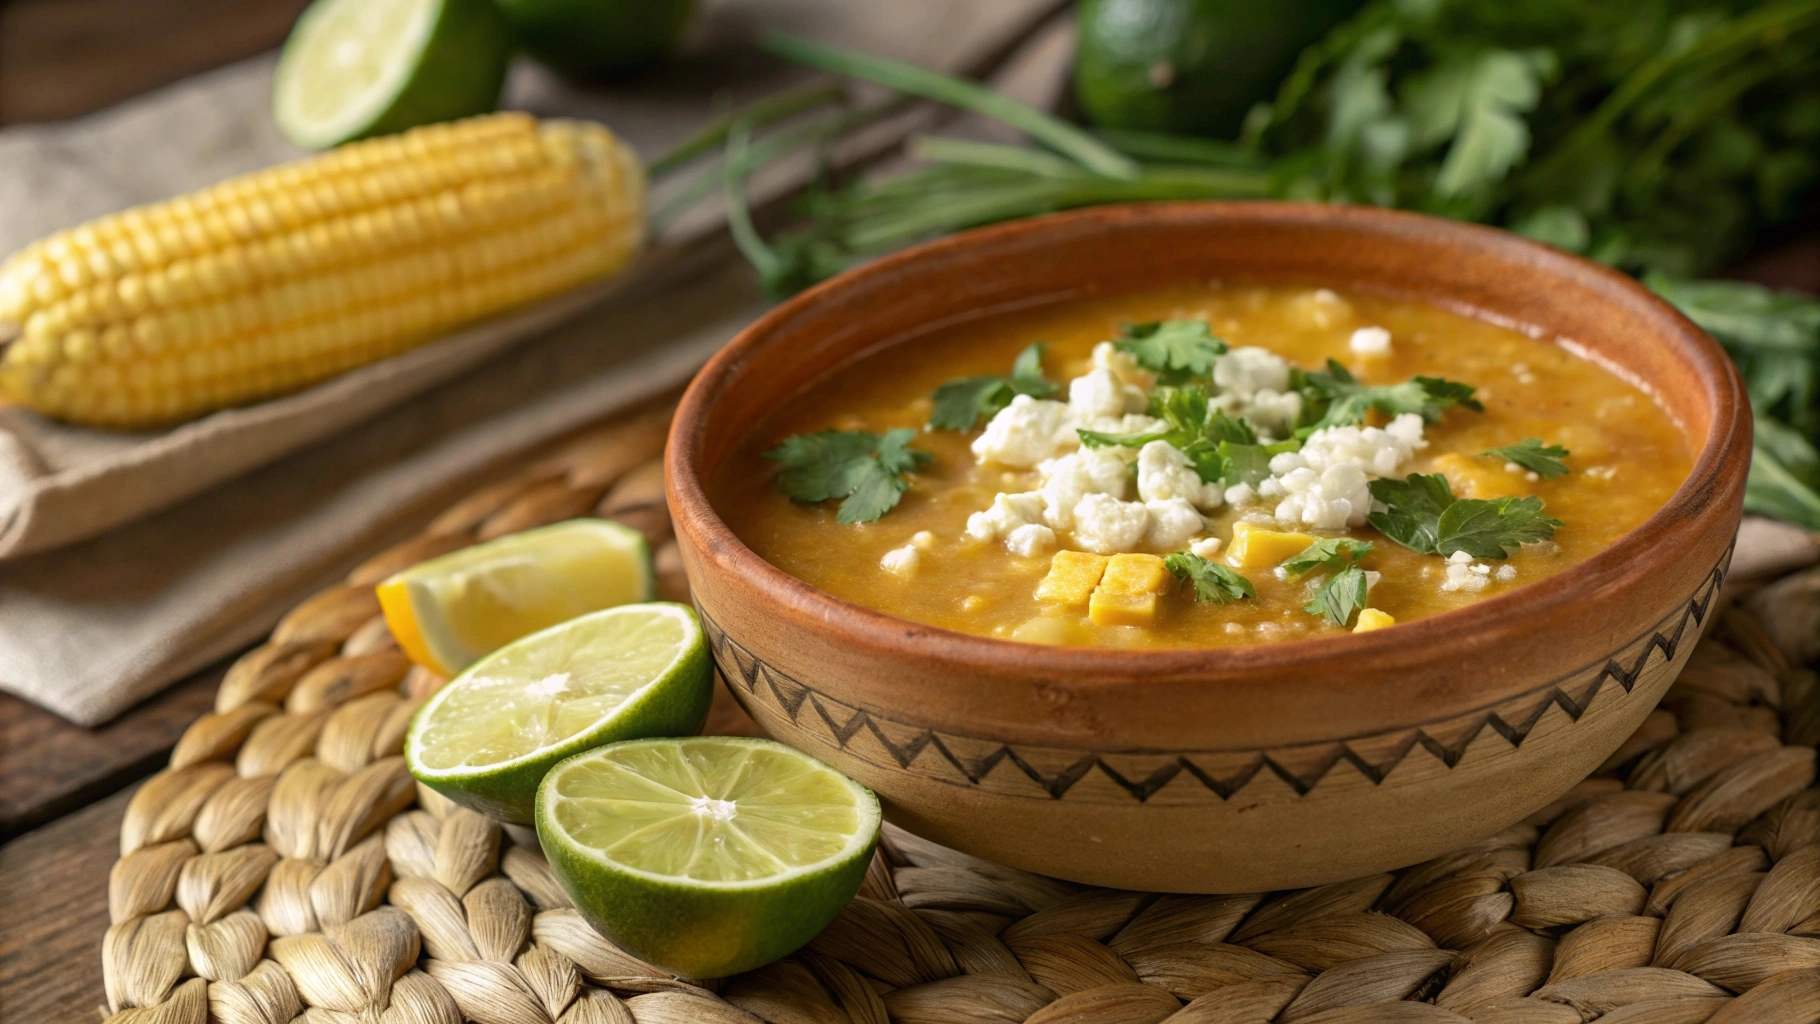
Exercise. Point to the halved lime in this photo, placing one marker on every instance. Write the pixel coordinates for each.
(486, 739)
(449, 611)
(354, 68)
(709, 855)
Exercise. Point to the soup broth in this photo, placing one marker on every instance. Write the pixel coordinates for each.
(951, 554)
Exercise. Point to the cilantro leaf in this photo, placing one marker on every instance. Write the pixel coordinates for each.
(1340, 598)
(1494, 528)
(1426, 518)
(1414, 516)
(1544, 460)
(1328, 553)
(1212, 581)
(1176, 351)
(1344, 401)
(962, 403)
(865, 469)
(1218, 445)
(1475, 102)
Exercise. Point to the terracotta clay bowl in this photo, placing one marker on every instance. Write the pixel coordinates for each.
(1230, 770)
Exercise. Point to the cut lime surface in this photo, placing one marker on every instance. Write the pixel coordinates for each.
(449, 611)
(354, 68)
(486, 739)
(709, 855)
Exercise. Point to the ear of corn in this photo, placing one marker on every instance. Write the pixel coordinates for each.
(270, 282)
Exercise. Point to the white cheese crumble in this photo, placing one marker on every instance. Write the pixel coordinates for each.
(901, 561)
(1206, 547)
(1026, 432)
(1164, 472)
(1327, 484)
(1124, 369)
(1072, 477)
(1030, 540)
(1173, 521)
(1506, 573)
(1370, 341)
(1243, 372)
(1465, 574)
(1100, 394)
(1008, 512)
(922, 539)
(1105, 525)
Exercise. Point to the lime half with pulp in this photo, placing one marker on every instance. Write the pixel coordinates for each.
(354, 68)
(486, 739)
(706, 856)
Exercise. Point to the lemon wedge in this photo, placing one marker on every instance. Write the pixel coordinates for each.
(448, 612)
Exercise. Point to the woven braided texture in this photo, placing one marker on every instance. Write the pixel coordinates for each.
(285, 868)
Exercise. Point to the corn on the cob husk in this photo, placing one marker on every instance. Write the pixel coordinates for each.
(270, 282)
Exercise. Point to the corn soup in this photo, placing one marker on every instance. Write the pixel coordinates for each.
(1200, 466)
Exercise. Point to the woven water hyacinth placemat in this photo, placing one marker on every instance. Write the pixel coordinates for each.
(285, 867)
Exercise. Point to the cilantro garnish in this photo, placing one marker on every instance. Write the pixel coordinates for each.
(1218, 445)
(1341, 597)
(1426, 518)
(1544, 460)
(1177, 351)
(960, 404)
(1335, 398)
(1327, 553)
(865, 469)
(1212, 581)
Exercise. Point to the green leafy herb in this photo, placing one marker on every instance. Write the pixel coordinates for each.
(1212, 581)
(1544, 460)
(1425, 517)
(1336, 398)
(1177, 351)
(961, 404)
(867, 470)
(1328, 553)
(1219, 446)
(1775, 339)
(1341, 597)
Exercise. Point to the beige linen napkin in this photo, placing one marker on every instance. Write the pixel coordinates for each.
(88, 629)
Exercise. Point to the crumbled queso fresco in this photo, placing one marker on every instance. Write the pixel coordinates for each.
(1112, 500)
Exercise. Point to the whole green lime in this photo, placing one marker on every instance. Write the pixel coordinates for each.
(1192, 67)
(598, 38)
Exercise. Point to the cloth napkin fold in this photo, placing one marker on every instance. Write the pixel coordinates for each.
(193, 550)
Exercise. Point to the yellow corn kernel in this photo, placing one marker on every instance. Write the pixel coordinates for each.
(1127, 592)
(271, 282)
(1254, 547)
(1479, 478)
(1371, 618)
(1072, 577)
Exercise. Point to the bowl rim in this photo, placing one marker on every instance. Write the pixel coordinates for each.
(1712, 473)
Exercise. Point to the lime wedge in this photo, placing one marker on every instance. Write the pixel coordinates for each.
(354, 68)
(486, 739)
(706, 856)
(449, 611)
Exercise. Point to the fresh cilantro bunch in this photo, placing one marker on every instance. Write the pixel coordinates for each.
(1177, 351)
(1544, 460)
(1335, 398)
(962, 404)
(1211, 580)
(1775, 339)
(1426, 518)
(867, 470)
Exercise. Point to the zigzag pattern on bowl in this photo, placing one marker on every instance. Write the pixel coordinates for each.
(776, 698)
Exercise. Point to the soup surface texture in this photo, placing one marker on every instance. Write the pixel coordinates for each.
(1015, 528)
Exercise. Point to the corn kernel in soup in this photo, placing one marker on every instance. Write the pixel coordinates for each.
(1290, 462)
